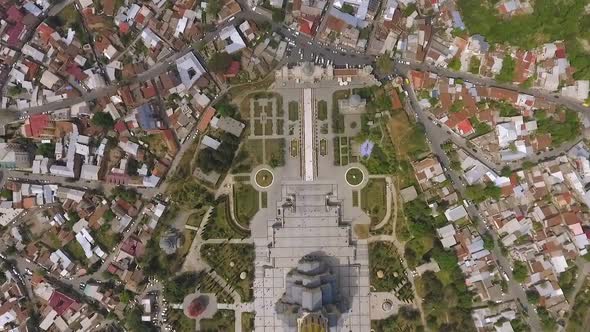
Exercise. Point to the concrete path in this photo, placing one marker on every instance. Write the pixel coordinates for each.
(400, 247)
(390, 194)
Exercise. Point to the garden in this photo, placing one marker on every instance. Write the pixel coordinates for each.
(245, 202)
(234, 263)
(220, 226)
(387, 273)
(264, 178)
(374, 200)
(354, 176)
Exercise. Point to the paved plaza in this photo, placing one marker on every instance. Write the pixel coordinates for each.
(310, 214)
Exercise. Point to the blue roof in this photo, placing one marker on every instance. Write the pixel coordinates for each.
(457, 20)
(146, 117)
(367, 148)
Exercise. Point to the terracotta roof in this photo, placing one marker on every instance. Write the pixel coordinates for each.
(60, 302)
(36, 124)
(205, 119)
(464, 127)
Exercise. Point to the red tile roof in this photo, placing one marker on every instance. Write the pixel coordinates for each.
(205, 119)
(120, 126)
(14, 33)
(233, 69)
(76, 71)
(132, 247)
(60, 302)
(45, 32)
(465, 127)
(305, 26)
(148, 91)
(560, 53)
(36, 124)
(14, 15)
(124, 27)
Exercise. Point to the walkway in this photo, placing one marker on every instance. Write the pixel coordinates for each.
(390, 194)
(194, 262)
(400, 247)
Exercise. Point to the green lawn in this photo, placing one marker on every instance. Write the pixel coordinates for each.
(196, 218)
(268, 127)
(264, 178)
(248, 157)
(354, 176)
(337, 118)
(384, 257)
(293, 111)
(246, 203)
(220, 226)
(223, 320)
(263, 200)
(74, 249)
(258, 129)
(275, 152)
(248, 321)
(208, 285)
(107, 239)
(322, 110)
(373, 199)
(580, 313)
(355, 198)
(221, 257)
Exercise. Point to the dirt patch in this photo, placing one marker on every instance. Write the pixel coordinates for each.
(400, 130)
(361, 231)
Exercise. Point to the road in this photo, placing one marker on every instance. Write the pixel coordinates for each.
(433, 133)
(313, 48)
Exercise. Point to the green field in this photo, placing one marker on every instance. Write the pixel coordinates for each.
(384, 257)
(246, 203)
(293, 111)
(229, 261)
(322, 110)
(373, 199)
(220, 225)
(223, 320)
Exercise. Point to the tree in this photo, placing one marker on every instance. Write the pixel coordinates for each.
(214, 7)
(15, 90)
(219, 62)
(474, 64)
(384, 64)
(507, 72)
(226, 109)
(506, 171)
(488, 241)
(479, 193)
(103, 120)
(532, 295)
(457, 106)
(278, 15)
(455, 64)
(176, 289)
(46, 150)
(520, 272)
(125, 296)
(347, 8)
(134, 323)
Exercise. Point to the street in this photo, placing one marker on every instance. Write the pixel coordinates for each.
(433, 133)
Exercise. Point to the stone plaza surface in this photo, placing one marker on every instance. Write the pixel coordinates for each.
(310, 218)
(308, 223)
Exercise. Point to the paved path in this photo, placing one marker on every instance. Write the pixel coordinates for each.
(194, 262)
(390, 194)
(433, 133)
(400, 246)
